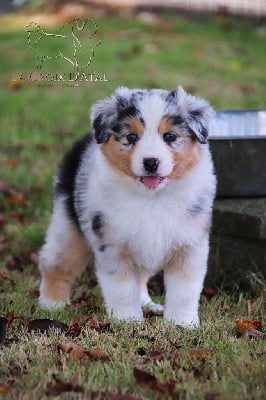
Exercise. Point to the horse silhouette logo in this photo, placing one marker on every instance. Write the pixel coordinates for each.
(48, 46)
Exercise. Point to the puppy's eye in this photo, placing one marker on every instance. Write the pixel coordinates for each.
(132, 138)
(169, 137)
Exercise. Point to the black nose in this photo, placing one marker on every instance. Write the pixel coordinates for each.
(151, 164)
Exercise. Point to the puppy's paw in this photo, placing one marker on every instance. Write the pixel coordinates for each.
(154, 307)
(50, 305)
(126, 314)
(184, 321)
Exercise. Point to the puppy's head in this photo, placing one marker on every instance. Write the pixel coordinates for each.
(153, 136)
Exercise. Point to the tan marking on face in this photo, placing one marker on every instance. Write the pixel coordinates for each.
(185, 160)
(119, 157)
(166, 125)
(184, 157)
(135, 126)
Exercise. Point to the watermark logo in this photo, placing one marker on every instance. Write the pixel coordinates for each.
(72, 47)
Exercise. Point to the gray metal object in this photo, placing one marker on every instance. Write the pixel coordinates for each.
(238, 146)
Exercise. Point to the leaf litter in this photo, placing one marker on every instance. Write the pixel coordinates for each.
(57, 386)
(250, 328)
(77, 352)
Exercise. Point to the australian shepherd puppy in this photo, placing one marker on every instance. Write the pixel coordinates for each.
(137, 194)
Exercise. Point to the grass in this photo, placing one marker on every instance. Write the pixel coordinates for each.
(220, 58)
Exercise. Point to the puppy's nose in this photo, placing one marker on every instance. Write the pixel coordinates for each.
(151, 164)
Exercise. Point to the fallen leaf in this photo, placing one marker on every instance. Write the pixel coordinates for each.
(3, 326)
(14, 214)
(211, 396)
(5, 275)
(4, 389)
(207, 294)
(191, 355)
(11, 317)
(10, 162)
(85, 300)
(16, 83)
(243, 325)
(146, 379)
(14, 197)
(253, 333)
(90, 322)
(97, 354)
(209, 291)
(157, 355)
(76, 352)
(74, 379)
(74, 329)
(59, 387)
(44, 325)
(35, 292)
(47, 147)
(93, 323)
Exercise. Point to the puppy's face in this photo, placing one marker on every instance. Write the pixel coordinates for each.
(152, 136)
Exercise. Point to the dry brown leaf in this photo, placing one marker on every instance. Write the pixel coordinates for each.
(5, 275)
(10, 162)
(157, 356)
(4, 389)
(211, 396)
(74, 329)
(44, 325)
(243, 325)
(97, 354)
(58, 387)
(16, 83)
(11, 317)
(75, 351)
(253, 333)
(146, 379)
(191, 355)
(93, 323)
(35, 292)
(14, 197)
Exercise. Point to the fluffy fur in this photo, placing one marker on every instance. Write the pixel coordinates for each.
(137, 195)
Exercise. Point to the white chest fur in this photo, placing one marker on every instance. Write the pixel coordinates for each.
(150, 223)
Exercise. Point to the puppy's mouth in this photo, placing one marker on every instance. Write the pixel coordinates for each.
(152, 182)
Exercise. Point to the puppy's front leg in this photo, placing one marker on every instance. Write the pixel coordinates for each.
(118, 280)
(184, 277)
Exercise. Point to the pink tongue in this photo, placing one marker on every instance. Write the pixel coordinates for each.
(151, 181)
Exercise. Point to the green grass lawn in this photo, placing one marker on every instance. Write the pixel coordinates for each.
(220, 58)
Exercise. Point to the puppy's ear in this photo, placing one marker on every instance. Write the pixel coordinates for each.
(102, 115)
(197, 113)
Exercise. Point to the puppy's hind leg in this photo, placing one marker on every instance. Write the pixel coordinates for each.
(62, 259)
(145, 299)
